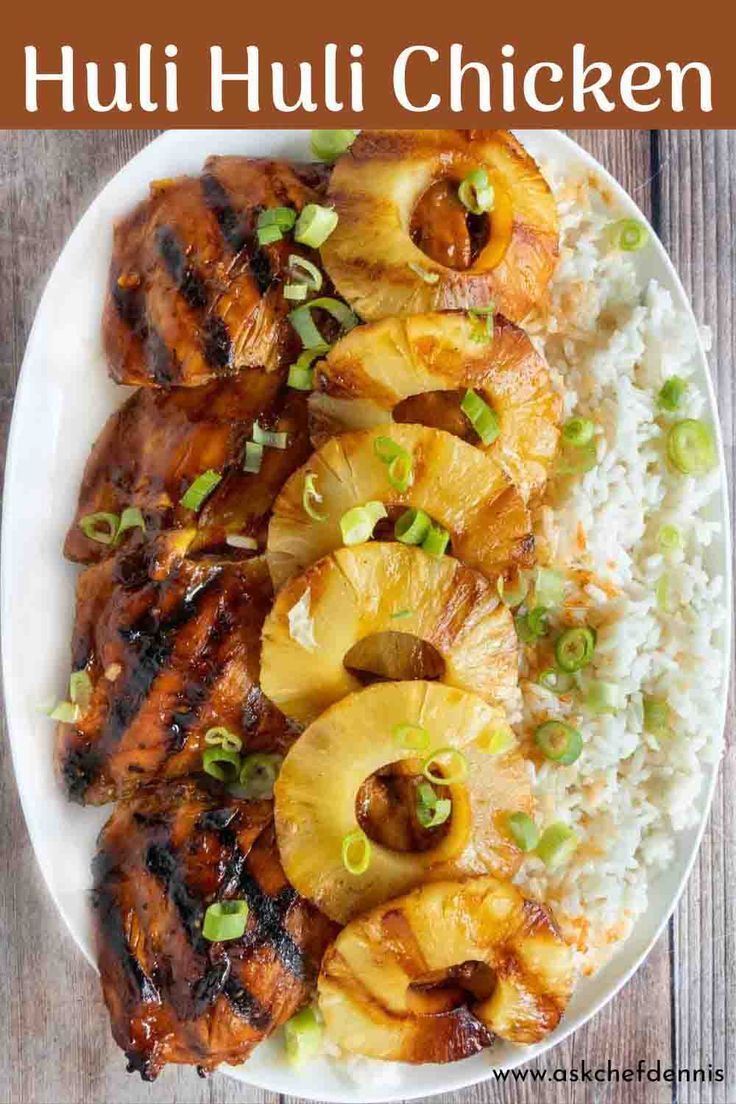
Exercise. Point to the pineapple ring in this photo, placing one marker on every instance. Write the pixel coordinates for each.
(365, 984)
(456, 484)
(375, 367)
(316, 791)
(375, 187)
(352, 594)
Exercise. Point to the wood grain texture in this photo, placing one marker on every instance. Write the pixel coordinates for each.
(680, 1008)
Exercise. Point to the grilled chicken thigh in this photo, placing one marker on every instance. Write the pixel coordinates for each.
(192, 295)
(172, 995)
(154, 447)
(171, 651)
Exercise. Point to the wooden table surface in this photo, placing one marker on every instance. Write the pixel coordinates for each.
(680, 1008)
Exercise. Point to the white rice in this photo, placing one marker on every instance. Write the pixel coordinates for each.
(613, 345)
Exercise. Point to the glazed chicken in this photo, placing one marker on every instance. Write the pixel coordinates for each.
(174, 996)
(192, 296)
(154, 447)
(436, 975)
(171, 652)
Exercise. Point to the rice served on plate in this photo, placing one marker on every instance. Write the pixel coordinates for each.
(657, 612)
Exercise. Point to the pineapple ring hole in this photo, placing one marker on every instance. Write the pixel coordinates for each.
(438, 410)
(393, 656)
(445, 230)
(443, 990)
(386, 808)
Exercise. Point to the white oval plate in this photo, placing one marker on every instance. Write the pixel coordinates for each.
(62, 401)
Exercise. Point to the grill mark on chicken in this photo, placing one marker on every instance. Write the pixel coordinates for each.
(191, 285)
(232, 225)
(270, 912)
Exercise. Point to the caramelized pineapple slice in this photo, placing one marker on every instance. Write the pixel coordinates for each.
(317, 791)
(395, 192)
(375, 368)
(437, 974)
(461, 489)
(355, 593)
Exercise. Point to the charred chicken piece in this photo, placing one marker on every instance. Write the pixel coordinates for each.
(170, 651)
(192, 295)
(173, 996)
(154, 447)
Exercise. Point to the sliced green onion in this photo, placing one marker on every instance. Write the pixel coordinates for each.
(671, 394)
(221, 763)
(203, 486)
(656, 716)
(100, 527)
(559, 742)
(301, 374)
(557, 844)
(399, 462)
(357, 525)
(424, 274)
(356, 852)
(315, 224)
(224, 738)
(496, 740)
(295, 292)
(412, 526)
(556, 681)
(669, 538)
(270, 438)
(531, 625)
(80, 690)
(476, 192)
(66, 712)
(238, 540)
(283, 217)
(578, 459)
(630, 234)
(512, 594)
(131, 518)
(310, 496)
(523, 831)
(401, 615)
(258, 773)
(574, 649)
(411, 737)
(253, 457)
(305, 272)
(578, 432)
(225, 920)
(662, 594)
(549, 588)
(267, 235)
(690, 447)
(481, 417)
(604, 697)
(302, 321)
(431, 810)
(457, 767)
(436, 541)
(328, 145)
(483, 330)
(302, 1037)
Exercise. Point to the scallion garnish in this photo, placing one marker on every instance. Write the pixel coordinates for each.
(476, 192)
(301, 374)
(656, 716)
(533, 624)
(328, 145)
(482, 331)
(295, 292)
(305, 272)
(603, 697)
(629, 234)
(253, 457)
(258, 774)
(356, 852)
(523, 830)
(577, 459)
(302, 321)
(549, 588)
(481, 417)
(512, 592)
(669, 538)
(431, 810)
(221, 763)
(555, 681)
(302, 1036)
(219, 736)
(100, 527)
(270, 438)
(578, 432)
(398, 462)
(424, 273)
(311, 496)
(456, 766)
(412, 526)
(402, 615)
(411, 737)
(556, 845)
(225, 920)
(273, 223)
(574, 648)
(203, 486)
(80, 690)
(357, 525)
(496, 740)
(671, 394)
(267, 235)
(66, 712)
(559, 742)
(314, 225)
(131, 518)
(662, 594)
(436, 541)
(690, 447)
